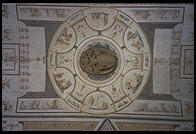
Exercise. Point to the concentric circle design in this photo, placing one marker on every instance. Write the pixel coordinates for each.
(123, 65)
(104, 42)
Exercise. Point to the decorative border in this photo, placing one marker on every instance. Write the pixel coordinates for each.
(60, 125)
(181, 112)
(110, 6)
(148, 125)
(98, 115)
(182, 74)
(14, 47)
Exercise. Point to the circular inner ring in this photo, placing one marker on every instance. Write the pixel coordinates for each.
(98, 62)
(105, 49)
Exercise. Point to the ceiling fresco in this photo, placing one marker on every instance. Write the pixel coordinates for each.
(97, 67)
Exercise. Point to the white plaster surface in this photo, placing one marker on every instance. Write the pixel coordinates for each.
(161, 79)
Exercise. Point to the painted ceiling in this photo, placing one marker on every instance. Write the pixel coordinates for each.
(97, 67)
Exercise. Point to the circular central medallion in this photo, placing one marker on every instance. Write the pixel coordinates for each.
(98, 61)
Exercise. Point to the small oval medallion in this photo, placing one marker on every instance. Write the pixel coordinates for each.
(98, 61)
